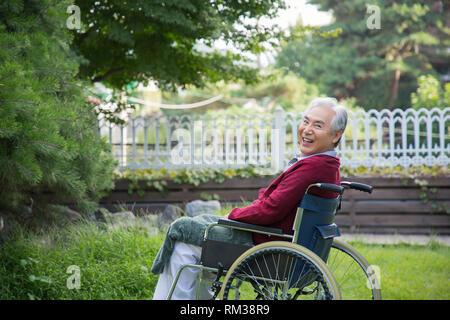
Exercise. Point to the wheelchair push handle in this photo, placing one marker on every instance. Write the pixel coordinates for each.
(328, 187)
(357, 186)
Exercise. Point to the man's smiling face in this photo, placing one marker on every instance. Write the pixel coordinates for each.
(315, 134)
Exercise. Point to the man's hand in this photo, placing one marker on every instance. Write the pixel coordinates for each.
(225, 216)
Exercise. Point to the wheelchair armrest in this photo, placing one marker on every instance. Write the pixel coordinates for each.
(250, 227)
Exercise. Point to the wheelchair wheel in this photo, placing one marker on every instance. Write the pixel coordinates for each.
(279, 270)
(355, 276)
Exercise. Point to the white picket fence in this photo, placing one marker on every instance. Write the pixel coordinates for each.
(373, 138)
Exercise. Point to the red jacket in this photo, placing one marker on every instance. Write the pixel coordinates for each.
(277, 204)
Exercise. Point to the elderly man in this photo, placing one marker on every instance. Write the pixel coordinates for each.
(321, 129)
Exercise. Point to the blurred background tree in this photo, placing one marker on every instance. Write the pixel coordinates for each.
(172, 42)
(379, 67)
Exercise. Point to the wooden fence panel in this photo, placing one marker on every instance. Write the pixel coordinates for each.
(396, 205)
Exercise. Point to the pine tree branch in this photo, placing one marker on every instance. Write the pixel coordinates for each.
(53, 70)
(19, 44)
(6, 76)
(12, 45)
(25, 169)
(20, 101)
(46, 143)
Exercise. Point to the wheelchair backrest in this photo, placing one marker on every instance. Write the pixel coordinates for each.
(314, 227)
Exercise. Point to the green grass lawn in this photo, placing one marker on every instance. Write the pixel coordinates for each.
(419, 272)
(115, 264)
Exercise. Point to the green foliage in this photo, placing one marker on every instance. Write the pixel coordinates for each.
(205, 196)
(152, 178)
(195, 176)
(48, 133)
(171, 41)
(411, 172)
(430, 94)
(113, 263)
(415, 173)
(378, 67)
(158, 178)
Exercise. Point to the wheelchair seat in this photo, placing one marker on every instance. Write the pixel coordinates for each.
(219, 254)
(313, 229)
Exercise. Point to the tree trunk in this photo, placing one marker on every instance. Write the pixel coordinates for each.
(394, 88)
(396, 77)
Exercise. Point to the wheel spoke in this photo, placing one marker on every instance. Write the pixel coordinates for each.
(350, 271)
(279, 273)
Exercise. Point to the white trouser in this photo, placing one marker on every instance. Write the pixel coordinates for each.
(186, 287)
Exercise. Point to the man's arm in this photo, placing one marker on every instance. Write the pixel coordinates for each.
(281, 201)
(261, 192)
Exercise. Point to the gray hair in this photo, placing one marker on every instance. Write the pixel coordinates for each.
(339, 121)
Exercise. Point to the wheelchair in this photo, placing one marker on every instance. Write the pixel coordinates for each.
(310, 265)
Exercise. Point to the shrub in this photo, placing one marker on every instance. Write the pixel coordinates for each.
(112, 264)
(48, 132)
(430, 93)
